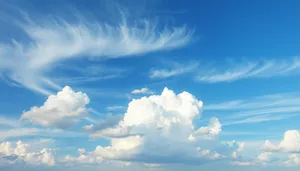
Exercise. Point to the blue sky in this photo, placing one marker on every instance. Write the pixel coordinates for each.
(149, 85)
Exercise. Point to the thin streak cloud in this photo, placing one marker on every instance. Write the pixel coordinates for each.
(273, 100)
(258, 109)
(251, 69)
(175, 70)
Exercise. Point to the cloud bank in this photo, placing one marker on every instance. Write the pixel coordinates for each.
(11, 153)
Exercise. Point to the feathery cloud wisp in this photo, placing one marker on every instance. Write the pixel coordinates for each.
(250, 69)
(258, 109)
(54, 41)
(176, 69)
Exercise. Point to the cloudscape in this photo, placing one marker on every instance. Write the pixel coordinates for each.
(154, 85)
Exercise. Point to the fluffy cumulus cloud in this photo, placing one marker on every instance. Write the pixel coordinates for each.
(61, 110)
(290, 143)
(84, 158)
(293, 159)
(263, 158)
(273, 153)
(11, 153)
(157, 129)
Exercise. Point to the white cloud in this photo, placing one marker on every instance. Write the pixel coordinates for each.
(258, 109)
(12, 133)
(87, 73)
(238, 70)
(258, 119)
(9, 122)
(290, 143)
(281, 101)
(83, 158)
(176, 69)
(52, 41)
(294, 159)
(6, 134)
(264, 157)
(21, 151)
(156, 129)
(62, 110)
(152, 165)
(266, 101)
(211, 131)
(142, 91)
(242, 163)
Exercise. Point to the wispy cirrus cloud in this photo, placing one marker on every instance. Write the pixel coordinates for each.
(258, 119)
(51, 41)
(87, 73)
(258, 109)
(273, 100)
(237, 70)
(6, 134)
(173, 69)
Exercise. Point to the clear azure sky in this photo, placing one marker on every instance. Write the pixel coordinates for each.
(149, 85)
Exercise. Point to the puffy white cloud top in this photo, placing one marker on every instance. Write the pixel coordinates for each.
(61, 110)
(156, 129)
(290, 143)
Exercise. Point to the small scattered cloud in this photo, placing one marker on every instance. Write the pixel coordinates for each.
(21, 151)
(290, 143)
(83, 158)
(293, 159)
(211, 131)
(175, 69)
(142, 91)
(62, 110)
